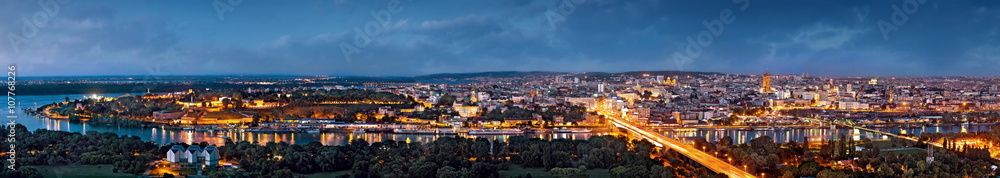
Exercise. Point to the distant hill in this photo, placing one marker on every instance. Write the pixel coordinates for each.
(670, 73)
(460, 76)
(484, 74)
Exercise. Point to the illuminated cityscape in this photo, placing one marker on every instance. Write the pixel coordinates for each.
(501, 89)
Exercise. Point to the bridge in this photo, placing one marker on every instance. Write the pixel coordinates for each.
(709, 161)
(873, 131)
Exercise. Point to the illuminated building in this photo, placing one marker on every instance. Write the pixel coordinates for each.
(874, 81)
(466, 111)
(766, 83)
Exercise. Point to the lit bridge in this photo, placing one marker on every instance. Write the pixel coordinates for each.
(711, 162)
(874, 131)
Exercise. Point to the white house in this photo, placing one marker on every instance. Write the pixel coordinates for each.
(176, 154)
(194, 155)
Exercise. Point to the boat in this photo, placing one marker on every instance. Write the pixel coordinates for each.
(425, 131)
(413, 131)
(565, 130)
(358, 131)
(496, 132)
(446, 131)
(377, 130)
(312, 131)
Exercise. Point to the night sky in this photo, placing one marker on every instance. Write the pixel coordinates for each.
(205, 37)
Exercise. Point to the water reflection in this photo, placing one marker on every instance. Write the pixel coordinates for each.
(164, 136)
(799, 135)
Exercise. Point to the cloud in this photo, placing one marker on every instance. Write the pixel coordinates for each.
(821, 37)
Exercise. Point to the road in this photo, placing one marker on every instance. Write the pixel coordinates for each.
(709, 161)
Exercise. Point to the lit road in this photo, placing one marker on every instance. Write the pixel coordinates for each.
(709, 161)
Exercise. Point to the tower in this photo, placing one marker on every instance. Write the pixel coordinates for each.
(930, 153)
(474, 96)
(766, 83)
(889, 93)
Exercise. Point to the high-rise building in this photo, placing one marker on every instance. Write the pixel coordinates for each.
(994, 89)
(659, 79)
(849, 88)
(766, 83)
(600, 88)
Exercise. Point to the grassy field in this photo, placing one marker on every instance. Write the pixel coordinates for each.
(905, 151)
(328, 174)
(516, 170)
(80, 171)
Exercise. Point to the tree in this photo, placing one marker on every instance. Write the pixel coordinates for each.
(808, 169)
(450, 172)
(566, 172)
(218, 174)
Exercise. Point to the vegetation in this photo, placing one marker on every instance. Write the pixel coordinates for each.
(839, 158)
(461, 157)
(126, 154)
(94, 171)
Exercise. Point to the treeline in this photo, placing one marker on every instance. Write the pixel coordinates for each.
(171, 84)
(127, 107)
(569, 113)
(349, 95)
(86, 88)
(114, 121)
(128, 154)
(459, 157)
(763, 155)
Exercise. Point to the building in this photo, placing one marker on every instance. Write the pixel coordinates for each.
(194, 155)
(589, 103)
(765, 83)
(466, 111)
(166, 116)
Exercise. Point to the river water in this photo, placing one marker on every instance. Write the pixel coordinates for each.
(818, 134)
(163, 136)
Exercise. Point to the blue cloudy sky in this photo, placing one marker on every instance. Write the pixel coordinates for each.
(190, 37)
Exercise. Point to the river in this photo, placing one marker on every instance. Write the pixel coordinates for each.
(819, 134)
(163, 136)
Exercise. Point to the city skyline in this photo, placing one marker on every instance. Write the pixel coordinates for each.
(843, 38)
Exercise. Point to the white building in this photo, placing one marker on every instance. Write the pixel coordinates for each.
(193, 155)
